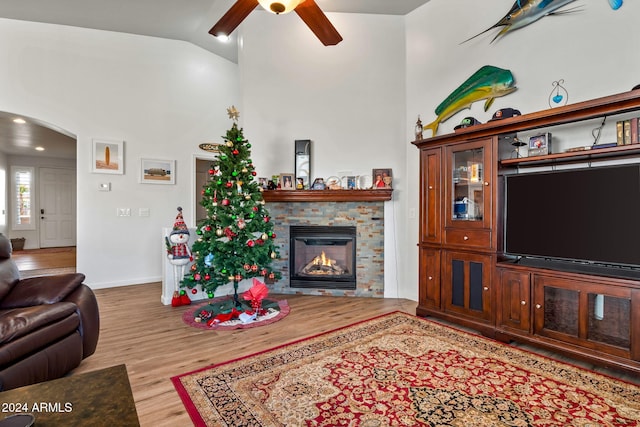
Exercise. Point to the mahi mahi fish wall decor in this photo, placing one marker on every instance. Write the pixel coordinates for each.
(525, 12)
(488, 83)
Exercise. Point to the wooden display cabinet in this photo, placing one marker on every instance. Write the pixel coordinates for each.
(465, 277)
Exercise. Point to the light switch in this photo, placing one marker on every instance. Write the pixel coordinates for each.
(123, 212)
(104, 186)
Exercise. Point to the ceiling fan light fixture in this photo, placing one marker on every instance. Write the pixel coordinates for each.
(281, 6)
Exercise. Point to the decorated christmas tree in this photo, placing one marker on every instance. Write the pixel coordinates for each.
(236, 240)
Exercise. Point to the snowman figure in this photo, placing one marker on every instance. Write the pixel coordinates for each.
(179, 256)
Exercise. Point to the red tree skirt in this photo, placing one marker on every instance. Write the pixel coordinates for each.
(270, 317)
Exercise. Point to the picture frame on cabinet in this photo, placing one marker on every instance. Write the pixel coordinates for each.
(107, 156)
(382, 178)
(156, 171)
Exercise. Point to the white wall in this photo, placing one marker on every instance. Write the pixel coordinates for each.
(348, 99)
(592, 50)
(161, 97)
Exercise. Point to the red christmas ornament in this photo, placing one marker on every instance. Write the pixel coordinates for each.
(260, 241)
(266, 219)
(197, 276)
(251, 243)
(235, 152)
(247, 267)
(272, 275)
(254, 173)
(212, 171)
(254, 268)
(225, 202)
(255, 208)
(273, 235)
(238, 277)
(208, 228)
(230, 234)
(263, 272)
(193, 267)
(194, 291)
(229, 184)
(207, 277)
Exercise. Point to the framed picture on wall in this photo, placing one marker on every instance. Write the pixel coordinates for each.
(108, 157)
(154, 171)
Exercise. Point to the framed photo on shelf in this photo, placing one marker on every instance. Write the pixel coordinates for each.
(318, 184)
(263, 182)
(540, 145)
(154, 171)
(287, 182)
(382, 178)
(107, 157)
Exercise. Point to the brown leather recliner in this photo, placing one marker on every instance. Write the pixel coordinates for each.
(48, 324)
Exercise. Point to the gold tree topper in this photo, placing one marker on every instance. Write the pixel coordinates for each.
(233, 113)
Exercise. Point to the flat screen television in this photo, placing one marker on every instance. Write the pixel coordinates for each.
(582, 216)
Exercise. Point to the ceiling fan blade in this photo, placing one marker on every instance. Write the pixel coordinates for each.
(318, 22)
(234, 16)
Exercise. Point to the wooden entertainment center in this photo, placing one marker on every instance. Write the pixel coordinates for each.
(464, 275)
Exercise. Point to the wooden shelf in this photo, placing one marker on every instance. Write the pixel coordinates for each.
(600, 107)
(598, 153)
(380, 195)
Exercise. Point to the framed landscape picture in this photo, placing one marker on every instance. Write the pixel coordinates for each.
(108, 157)
(154, 171)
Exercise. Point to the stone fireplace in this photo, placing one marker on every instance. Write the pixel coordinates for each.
(322, 257)
(360, 210)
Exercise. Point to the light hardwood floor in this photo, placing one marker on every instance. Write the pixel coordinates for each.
(155, 344)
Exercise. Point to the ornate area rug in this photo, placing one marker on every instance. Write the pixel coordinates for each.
(401, 370)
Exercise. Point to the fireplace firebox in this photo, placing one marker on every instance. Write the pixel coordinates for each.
(322, 257)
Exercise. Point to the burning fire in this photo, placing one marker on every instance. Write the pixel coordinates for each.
(323, 260)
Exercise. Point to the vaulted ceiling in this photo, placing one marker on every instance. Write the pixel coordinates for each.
(187, 20)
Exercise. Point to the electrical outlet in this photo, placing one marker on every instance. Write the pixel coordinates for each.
(412, 213)
(143, 212)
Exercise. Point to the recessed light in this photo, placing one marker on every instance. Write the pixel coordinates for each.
(19, 120)
(39, 148)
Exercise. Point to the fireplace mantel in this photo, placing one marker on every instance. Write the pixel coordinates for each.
(378, 195)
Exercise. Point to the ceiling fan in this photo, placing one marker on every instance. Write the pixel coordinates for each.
(308, 10)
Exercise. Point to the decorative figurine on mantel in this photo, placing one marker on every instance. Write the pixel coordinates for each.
(179, 255)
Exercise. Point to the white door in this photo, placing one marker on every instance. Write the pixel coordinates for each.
(57, 207)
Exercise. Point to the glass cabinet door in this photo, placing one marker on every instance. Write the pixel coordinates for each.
(469, 174)
(587, 314)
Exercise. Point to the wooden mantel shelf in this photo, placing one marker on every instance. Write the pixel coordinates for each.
(380, 195)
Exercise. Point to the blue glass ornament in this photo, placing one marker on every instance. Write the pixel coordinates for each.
(559, 95)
